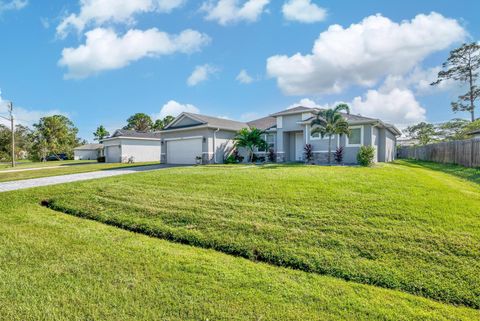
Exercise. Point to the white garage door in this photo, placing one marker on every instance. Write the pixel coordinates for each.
(184, 151)
(113, 154)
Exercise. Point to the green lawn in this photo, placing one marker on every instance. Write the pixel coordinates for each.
(29, 164)
(400, 226)
(59, 267)
(64, 169)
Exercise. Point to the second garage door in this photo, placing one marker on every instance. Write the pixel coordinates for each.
(184, 151)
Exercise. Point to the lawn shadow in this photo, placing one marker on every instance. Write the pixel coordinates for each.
(470, 174)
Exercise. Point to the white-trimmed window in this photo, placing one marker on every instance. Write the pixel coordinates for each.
(356, 137)
(270, 139)
(317, 136)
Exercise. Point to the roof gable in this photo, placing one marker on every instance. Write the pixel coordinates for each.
(185, 120)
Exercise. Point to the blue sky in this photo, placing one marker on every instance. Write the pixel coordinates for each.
(100, 61)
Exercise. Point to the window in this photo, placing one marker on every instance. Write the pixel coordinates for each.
(270, 139)
(355, 138)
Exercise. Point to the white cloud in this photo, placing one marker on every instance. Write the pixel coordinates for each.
(105, 50)
(201, 74)
(12, 5)
(244, 78)
(23, 116)
(303, 11)
(419, 81)
(230, 11)
(363, 53)
(173, 108)
(305, 102)
(98, 12)
(397, 106)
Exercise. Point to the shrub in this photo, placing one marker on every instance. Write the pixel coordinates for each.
(272, 156)
(308, 151)
(101, 159)
(365, 155)
(338, 155)
(230, 160)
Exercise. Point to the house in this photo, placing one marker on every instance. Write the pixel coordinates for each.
(131, 146)
(474, 134)
(293, 132)
(210, 139)
(88, 152)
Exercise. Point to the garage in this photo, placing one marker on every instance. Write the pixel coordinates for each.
(184, 151)
(113, 154)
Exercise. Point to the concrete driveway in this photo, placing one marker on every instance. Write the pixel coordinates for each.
(54, 180)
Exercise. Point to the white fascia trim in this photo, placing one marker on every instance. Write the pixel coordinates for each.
(293, 112)
(361, 137)
(183, 138)
(183, 129)
(131, 138)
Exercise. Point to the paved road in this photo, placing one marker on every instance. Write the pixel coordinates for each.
(54, 180)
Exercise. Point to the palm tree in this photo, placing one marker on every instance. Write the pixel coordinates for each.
(329, 122)
(250, 139)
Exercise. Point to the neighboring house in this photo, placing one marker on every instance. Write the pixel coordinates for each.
(128, 145)
(475, 133)
(407, 141)
(88, 152)
(210, 139)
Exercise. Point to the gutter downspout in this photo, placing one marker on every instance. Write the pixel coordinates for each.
(215, 145)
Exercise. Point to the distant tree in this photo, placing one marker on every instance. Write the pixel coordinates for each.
(54, 135)
(463, 66)
(101, 133)
(452, 129)
(162, 123)
(140, 122)
(330, 122)
(469, 128)
(424, 132)
(22, 142)
(250, 139)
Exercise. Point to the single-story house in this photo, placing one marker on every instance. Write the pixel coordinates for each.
(88, 152)
(128, 145)
(474, 133)
(193, 137)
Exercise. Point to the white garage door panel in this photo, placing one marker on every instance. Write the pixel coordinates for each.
(184, 151)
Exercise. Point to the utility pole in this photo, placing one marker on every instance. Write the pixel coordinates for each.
(12, 127)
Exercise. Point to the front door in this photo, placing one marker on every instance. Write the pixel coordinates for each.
(299, 145)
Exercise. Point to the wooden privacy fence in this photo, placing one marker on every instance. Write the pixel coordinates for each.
(461, 152)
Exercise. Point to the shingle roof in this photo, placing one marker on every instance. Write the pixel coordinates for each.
(135, 134)
(215, 122)
(89, 147)
(294, 110)
(263, 123)
(473, 132)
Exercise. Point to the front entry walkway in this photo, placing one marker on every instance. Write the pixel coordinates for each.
(54, 180)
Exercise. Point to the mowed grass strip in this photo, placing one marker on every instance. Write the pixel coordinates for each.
(65, 170)
(59, 267)
(398, 226)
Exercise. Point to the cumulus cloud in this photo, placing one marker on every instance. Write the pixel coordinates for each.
(23, 116)
(363, 53)
(419, 81)
(12, 5)
(305, 102)
(396, 106)
(230, 11)
(174, 108)
(303, 11)
(200, 74)
(105, 50)
(98, 12)
(244, 78)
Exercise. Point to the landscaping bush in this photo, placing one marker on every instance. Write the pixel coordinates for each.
(230, 160)
(366, 155)
(339, 155)
(101, 159)
(308, 151)
(272, 156)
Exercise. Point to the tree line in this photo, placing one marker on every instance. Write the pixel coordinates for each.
(57, 135)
